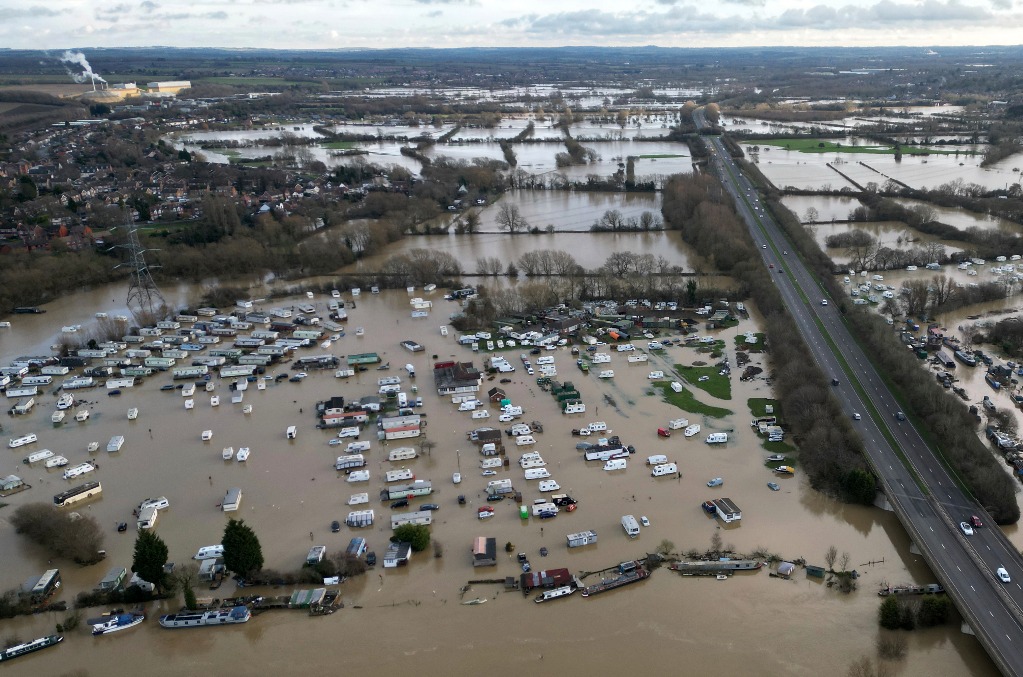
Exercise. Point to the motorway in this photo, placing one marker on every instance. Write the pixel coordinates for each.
(928, 502)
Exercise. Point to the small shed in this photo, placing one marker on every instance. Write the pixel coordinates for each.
(397, 554)
(113, 579)
(815, 571)
(785, 569)
(484, 552)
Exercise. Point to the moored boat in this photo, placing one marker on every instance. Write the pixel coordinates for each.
(628, 572)
(548, 595)
(29, 647)
(194, 619)
(117, 623)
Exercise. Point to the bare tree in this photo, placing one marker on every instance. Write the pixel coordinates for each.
(489, 265)
(843, 562)
(510, 218)
(830, 557)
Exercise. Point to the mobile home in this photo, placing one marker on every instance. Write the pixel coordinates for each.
(581, 538)
(630, 525)
(417, 517)
(401, 454)
(232, 499)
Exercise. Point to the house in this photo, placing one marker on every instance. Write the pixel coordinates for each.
(456, 377)
(335, 405)
(484, 552)
(113, 579)
(496, 394)
(370, 403)
(362, 358)
(397, 555)
(727, 510)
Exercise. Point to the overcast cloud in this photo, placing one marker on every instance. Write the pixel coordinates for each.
(327, 24)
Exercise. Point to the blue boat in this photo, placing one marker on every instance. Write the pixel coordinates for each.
(117, 623)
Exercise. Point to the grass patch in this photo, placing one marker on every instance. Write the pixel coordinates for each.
(686, 402)
(758, 347)
(779, 448)
(339, 145)
(714, 384)
(758, 407)
(658, 156)
(821, 146)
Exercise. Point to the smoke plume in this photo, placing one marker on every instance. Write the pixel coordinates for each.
(87, 74)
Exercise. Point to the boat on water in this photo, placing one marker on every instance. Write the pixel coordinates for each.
(628, 572)
(28, 647)
(117, 623)
(133, 413)
(555, 593)
(243, 454)
(477, 600)
(228, 453)
(194, 619)
(785, 470)
(56, 462)
(65, 401)
(82, 415)
(57, 416)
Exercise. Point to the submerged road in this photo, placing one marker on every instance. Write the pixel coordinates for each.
(928, 502)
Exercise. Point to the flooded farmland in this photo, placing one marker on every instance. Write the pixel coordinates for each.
(410, 618)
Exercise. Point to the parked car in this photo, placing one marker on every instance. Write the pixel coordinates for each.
(400, 503)
(335, 526)
(644, 521)
(371, 558)
(429, 506)
(773, 486)
(716, 482)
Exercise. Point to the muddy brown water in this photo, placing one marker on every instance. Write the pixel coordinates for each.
(411, 618)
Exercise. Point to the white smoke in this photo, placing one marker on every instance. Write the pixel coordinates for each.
(87, 74)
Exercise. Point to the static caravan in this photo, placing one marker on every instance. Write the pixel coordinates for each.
(347, 462)
(630, 525)
(615, 464)
(494, 485)
(55, 370)
(401, 454)
(113, 579)
(37, 380)
(664, 469)
(574, 408)
(537, 473)
(524, 440)
(399, 475)
(548, 485)
(360, 518)
(656, 459)
(581, 538)
(232, 499)
(417, 517)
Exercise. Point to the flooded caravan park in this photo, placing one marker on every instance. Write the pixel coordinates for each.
(410, 618)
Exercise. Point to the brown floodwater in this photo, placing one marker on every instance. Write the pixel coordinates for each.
(410, 618)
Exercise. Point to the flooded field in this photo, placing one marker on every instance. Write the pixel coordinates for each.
(291, 493)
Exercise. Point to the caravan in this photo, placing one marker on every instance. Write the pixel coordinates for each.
(548, 485)
(630, 525)
(664, 469)
(615, 464)
(537, 473)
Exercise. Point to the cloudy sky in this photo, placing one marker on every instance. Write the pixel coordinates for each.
(328, 24)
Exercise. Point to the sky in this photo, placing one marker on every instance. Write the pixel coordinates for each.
(336, 24)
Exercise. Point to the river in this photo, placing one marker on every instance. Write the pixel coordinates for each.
(410, 618)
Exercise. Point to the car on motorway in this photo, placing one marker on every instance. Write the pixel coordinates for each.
(824, 302)
(1003, 575)
(899, 416)
(856, 417)
(967, 529)
(763, 246)
(975, 522)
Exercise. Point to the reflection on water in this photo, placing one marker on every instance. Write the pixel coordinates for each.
(290, 490)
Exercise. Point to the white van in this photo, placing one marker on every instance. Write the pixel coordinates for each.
(292, 432)
(351, 431)
(548, 485)
(537, 474)
(664, 469)
(615, 464)
(209, 552)
(23, 440)
(401, 454)
(523, 440)
(358, 476)
(656, 459)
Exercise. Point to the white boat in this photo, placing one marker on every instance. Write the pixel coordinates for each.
(228, 453)
(555, 593)
(82, 415)
(242, 455)
(207, 435)
(78, 470)
(57, 416)
(56, 462)
(191, 619)
(189, 404)
(101, 316)
(359, 331)
(93, 446)
(247, 409)
(117, 623)
(691, 430)
(133, 413)
(40, 455)
(65, 401)
(215, 401)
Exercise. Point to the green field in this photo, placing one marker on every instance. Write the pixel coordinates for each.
(758, 347)
(686, 402)
(656, 156)
(339, 145)
(715, 384)
(758, 407)
(821, 146)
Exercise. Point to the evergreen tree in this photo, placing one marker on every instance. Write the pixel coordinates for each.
(416, 534)
(890, 615)
(243, 554)
(150, 557)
